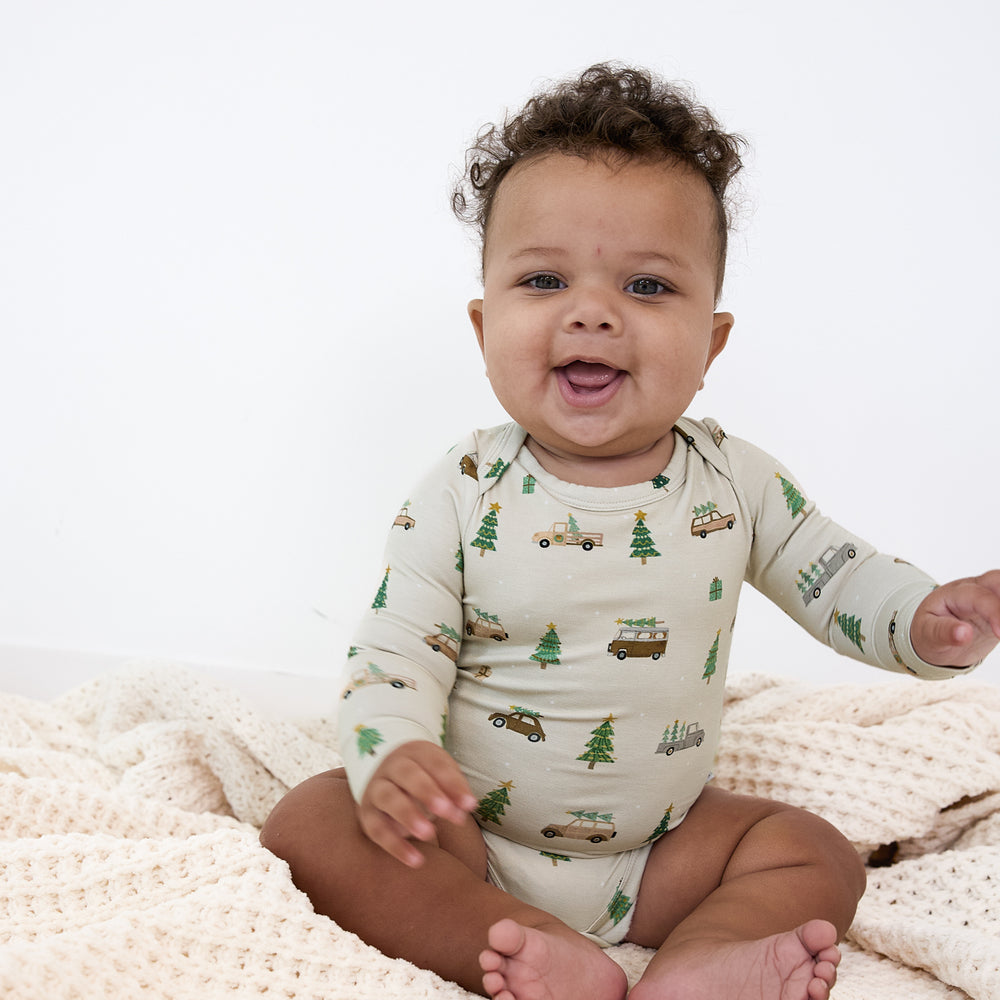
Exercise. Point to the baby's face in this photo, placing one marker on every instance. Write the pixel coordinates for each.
(597, 321)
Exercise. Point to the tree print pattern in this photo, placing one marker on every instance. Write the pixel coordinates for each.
(851, 627)
(642, 541)
(794, 500)
(601, 747)
(664, 823)
(619, 906)
(487, 535)
(379, 601)
(712, 661)
(368, 739)
(547, 650)
(492, 805)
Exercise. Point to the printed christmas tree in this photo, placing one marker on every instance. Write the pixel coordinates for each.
(556, 858)
(642, 542)
(547, 650)
(601, 746)
(571, 523)
(673, 735)
(639, 622)
(663, 824)
(492, 805)
(379, 601)
(460, 560)
(660, 482)
(806, 580)
(527, 711)
(497, 469)
(487, 535)
(851, 627)
(701, 509)
(794, 500)
(619, 906)
(713, 656)
(368, 739)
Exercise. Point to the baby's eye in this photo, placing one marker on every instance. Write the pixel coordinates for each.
(646, 286)
(544, 282)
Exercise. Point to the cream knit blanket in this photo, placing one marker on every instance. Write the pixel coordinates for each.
(130, 865)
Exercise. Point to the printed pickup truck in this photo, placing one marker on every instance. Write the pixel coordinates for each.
(559, 534)
(692, 738)
(830, 562)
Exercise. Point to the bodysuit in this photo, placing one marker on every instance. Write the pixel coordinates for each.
(568, 645)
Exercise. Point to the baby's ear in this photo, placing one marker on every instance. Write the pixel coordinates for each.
(722, 323)
(475, 309)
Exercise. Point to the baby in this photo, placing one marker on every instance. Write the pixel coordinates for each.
(532, 706)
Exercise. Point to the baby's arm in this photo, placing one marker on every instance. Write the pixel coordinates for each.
(958, 624)
(393, 712)
(864, 604)
(416, 781)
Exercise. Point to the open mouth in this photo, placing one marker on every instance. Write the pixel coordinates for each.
(588, 383)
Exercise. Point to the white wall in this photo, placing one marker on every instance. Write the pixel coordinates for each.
(232, 294)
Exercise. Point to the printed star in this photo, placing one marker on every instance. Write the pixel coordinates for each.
(610, 718)
(495, 506)
(508, 785)
(640, 515)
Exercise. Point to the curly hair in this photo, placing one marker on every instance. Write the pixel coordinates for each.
(609, 110)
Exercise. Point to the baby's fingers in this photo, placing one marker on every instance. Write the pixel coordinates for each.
(435, 780)
(404, 802)
(452, 799)
(386, 833)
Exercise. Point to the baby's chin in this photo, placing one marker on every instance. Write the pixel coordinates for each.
(603, 463)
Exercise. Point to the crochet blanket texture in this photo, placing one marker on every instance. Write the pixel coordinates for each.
(129, 811)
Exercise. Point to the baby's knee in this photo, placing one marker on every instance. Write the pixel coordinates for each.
(302, 820)
(803, 838)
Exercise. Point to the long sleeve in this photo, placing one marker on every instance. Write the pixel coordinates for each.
(831, 581)
(402, 665)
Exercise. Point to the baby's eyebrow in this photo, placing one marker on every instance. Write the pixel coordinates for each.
(658, 255)
(640, 256)
(537, 252)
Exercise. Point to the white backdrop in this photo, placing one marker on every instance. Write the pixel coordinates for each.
(232, 294)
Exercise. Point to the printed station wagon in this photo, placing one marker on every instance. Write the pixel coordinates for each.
(361, 678)
(442, 643)
(712, 521)
(597, 831)
(486, 628)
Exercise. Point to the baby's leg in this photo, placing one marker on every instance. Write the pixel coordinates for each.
(745, 900)
(442, 916)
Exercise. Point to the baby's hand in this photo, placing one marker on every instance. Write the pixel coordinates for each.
(416, 782)
(959, 623)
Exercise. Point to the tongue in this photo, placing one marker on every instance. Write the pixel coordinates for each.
(588, 375)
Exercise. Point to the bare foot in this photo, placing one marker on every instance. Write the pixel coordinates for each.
(547, 963)
(797, 965)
